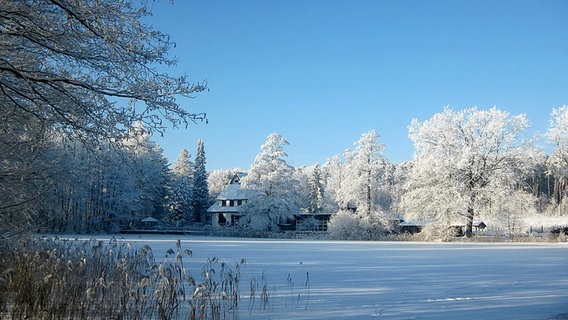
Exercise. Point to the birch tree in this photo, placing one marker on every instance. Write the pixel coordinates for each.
(464, 160)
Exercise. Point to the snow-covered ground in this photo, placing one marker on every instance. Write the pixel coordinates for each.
(391, 280)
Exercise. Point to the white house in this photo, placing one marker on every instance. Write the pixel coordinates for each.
(228, 206)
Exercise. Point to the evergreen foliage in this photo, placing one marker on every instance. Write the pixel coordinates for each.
(200, 187)
(181, 195)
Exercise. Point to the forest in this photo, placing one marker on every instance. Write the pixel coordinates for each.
(80, 99)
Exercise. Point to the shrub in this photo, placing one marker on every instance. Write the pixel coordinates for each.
(346, 225)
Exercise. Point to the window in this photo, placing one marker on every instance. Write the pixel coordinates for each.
(239, 202)
(232, 203)
(222, 203)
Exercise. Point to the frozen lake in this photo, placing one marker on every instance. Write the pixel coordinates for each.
(390, 280)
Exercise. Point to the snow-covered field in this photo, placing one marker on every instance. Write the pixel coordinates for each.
(391, 280)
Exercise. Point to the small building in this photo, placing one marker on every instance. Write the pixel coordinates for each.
(411, 227)
(228, 206)
(459, 228)
(311, 222)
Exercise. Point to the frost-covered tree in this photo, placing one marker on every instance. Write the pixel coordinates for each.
(68, 62)
(200, 188)
(364, 170)
(465, 160)
(334, 176)
(183, 167)
(300, 191)
(181, 189)
(272, 178)
(359, 187)
(150, 170)
(315, 190)
(557, 135)
(217, 181)
(88, 69)
(93, 191)
(395, 179)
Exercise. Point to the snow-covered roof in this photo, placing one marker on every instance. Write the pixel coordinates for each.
(150, 219)
(414, 223)
(224, 209)
(236, 179)
(235, 192)
(461, 224)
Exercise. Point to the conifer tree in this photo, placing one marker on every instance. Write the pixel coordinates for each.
(200, 186)
(181, 189)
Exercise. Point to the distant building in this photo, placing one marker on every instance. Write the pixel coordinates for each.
(228, 206)
(459, 228)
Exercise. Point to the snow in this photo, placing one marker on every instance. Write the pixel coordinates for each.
(392, 280)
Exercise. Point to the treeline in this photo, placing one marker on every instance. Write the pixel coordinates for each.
(72, 187)
(468, 164)
(59, 184)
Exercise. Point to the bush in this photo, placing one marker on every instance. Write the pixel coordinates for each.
(435, 232)
(346, 225)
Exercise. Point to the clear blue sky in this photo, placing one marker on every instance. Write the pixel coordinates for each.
(322, 73)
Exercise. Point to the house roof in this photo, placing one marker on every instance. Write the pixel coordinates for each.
(235, 192)
(477, 224)
(414, 223)
(224, 209)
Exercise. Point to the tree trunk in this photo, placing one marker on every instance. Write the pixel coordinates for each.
(469, 224)
(470, 215)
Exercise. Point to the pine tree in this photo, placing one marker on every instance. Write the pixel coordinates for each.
(181, 189)
(200, 187)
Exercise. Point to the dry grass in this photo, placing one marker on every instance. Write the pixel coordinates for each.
(53, 279)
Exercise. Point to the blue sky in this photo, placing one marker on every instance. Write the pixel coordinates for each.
(322, 73)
